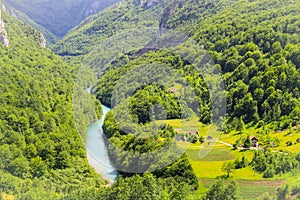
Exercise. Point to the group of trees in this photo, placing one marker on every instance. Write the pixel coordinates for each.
(268, 163)
(239, 163)
(256, 47)
(145, 186)
(271, 164)
(153, 100)
(42, 154)
(259, 56)
(220, 190)
(259, 62)
(284, 192)
(139, 151)
(191, 94)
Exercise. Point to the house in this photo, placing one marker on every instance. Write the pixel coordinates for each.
(193, 132)
(254, 141)
(172, 90)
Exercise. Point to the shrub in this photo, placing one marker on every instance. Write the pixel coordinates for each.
(289, 143)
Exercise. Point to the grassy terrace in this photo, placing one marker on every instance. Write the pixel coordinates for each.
(251, 184)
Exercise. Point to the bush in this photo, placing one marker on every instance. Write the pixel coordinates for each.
(241, 163)
(289, 143)
(269, 173)
(247, 143)
(261, 123)
(265, 196)
(296, 190)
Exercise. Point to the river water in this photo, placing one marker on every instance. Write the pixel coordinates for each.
(97, 150)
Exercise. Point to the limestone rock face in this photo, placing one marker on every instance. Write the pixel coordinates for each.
(42, 41)
(3, 32)
(149, 3)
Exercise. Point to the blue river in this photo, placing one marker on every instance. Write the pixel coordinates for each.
(97, 150)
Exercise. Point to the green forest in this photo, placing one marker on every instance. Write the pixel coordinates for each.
(164, 110)
(42, 155)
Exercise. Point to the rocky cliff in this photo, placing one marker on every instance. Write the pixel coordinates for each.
(153, 2)
(43, 41)
(33, 33)
(3, 32)
(149, 3)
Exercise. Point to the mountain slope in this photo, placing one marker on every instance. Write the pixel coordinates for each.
(59, 16)
(256, 45)
(257, 49)
(42, 154)
(50, 38)
(122, 16)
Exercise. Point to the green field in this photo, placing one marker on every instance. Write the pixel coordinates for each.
(250, 189)
(251, 184)
(215, 155)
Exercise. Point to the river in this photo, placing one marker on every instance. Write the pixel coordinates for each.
(97, 151)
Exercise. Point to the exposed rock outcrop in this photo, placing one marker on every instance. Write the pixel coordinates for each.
(149, 3)
(3, 32)
(10, 11)
(43, 41)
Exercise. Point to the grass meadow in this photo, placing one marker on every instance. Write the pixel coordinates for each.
(251, 184)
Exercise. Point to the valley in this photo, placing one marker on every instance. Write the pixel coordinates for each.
(194, 99)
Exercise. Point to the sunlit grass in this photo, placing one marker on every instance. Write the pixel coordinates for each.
(247, 189)
(8, 197)
(250, 183)
(207, 169)
(214, 155)
(284, 137)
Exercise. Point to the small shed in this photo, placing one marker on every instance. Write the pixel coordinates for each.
(193, 132)
(172, 90)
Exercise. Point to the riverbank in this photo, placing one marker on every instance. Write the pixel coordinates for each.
(96, 149)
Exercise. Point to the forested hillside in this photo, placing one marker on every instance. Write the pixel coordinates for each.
(125, 15)
(256, 49)
(50, 37)
(59, 16)
(258, 52)
(255, 46)
(42, 154)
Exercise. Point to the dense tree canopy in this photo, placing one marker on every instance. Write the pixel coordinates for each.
(254, 44)
(42, 154)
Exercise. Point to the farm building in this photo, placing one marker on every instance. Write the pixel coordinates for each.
(172, 90)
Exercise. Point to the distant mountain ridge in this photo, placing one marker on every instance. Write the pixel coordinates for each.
(51, 38)
(59, 16)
